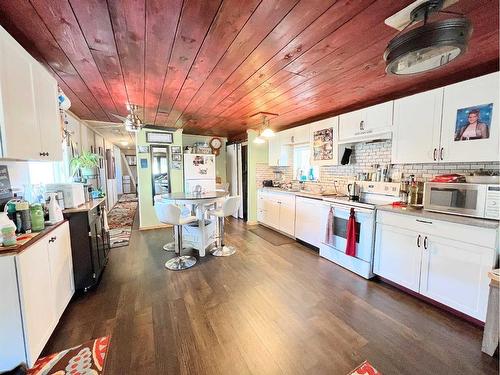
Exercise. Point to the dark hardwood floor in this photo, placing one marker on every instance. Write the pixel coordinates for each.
(266, 310)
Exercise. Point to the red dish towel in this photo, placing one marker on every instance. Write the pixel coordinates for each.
(350, 247)
(329, 228)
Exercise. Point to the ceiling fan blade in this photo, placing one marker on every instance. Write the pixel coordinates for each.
(118, 116)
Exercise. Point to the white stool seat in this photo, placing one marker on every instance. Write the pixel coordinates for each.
(218, 212)
(169, 213)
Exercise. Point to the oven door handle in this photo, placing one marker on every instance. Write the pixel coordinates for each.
(347, 208)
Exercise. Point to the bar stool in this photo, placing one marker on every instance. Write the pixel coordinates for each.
(169, 213)
(228, 208)
(170, 246)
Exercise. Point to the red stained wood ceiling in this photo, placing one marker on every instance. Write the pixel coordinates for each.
(208, 65)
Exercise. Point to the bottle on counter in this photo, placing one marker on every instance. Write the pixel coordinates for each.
(37, 217)
(23, 217)
(413, 192)
(7, 230)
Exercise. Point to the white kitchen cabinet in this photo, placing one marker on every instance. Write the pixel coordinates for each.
(48, 116)
(72, 125)
(29, 112)
(417, 128)
(37, 285)
(11, 325)
(287, 213)
(61, 268)
(295, 136)
(446, 262)
(456, 274)
(366, 124)
(37, 298)
(317, 143)
(280, 154)
(307, 227)
(18, 114)
(470, 94)
(397, 256)
(277, 210)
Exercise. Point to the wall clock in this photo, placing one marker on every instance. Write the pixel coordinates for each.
(215, 145)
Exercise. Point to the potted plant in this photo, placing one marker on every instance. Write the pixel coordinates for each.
(86, 163)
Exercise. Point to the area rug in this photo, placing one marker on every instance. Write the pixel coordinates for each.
(85, 359)
(365, 369)
(120, 220)
(274, 238)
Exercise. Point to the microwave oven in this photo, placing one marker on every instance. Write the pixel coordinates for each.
(475, 200)
(73, 193)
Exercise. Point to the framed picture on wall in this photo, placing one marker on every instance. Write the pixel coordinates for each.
(176, 165)
(157, 137)
(131, 159)
(143, 149)
(176, 157)
(176, 149)
(323, 144)
(473, 122)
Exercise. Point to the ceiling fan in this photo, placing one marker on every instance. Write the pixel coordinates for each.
(132, 122)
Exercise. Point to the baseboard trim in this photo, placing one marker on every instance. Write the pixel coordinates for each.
(161, 226)
(252, 222)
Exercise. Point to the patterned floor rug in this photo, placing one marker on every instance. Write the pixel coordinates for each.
(121, 219)
(365, 369)
(87, 358)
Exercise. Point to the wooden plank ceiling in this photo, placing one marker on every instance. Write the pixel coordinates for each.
(208, 65)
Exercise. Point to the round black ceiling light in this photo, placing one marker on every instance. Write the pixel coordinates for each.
(429, 46)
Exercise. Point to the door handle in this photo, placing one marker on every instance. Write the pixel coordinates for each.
(424, 221)
(425, 243)
(434, 154)
(441, 153)
(418, 240)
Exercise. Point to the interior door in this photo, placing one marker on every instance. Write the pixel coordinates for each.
(481, 94)
(417, 127)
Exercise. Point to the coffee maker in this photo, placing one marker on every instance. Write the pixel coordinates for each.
(353, 191)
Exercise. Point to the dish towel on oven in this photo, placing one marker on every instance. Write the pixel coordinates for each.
(350, 247)
(329, 228)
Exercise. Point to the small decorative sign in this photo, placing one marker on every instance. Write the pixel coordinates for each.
(176, 165)
(144, 163)
(176, 157)
(157, 137)
(5, 188)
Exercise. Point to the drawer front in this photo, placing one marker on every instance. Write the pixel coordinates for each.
(470, 234)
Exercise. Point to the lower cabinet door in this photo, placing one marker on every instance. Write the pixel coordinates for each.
(61, 268)
(37, 302)
(287, 214)
(398, 256)
(307, 226)
(455, 274)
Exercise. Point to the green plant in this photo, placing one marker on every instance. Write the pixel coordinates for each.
(87, 160)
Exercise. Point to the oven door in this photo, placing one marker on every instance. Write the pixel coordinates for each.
(457, 198)
(365, 228)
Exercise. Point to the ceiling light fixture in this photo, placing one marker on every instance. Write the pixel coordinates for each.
(429, 46)
(267, 132)
(259, 140)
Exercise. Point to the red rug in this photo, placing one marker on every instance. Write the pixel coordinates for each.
(85, 359)
(365, 369)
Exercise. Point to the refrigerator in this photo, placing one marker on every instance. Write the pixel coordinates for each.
(199, 170)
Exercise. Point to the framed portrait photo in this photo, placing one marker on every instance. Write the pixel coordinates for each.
(176, 157)
(473, 122)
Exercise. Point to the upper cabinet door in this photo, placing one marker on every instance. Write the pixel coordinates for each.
(324, 141)
(301, 134)
(470, 120)
(274, 151)
(367, 123)
(47, 109)
(18, 118)
(417, 126)
(350, 124)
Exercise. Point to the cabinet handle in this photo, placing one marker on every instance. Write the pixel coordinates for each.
(441, 153)
(434, 154)
(361, 125)
(418, 240)
(425, 243)
(424, 221)
(52, 239)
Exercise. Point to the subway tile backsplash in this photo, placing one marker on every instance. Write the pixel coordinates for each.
(367, 154)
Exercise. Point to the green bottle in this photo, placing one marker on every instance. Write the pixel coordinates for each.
(37, 217)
